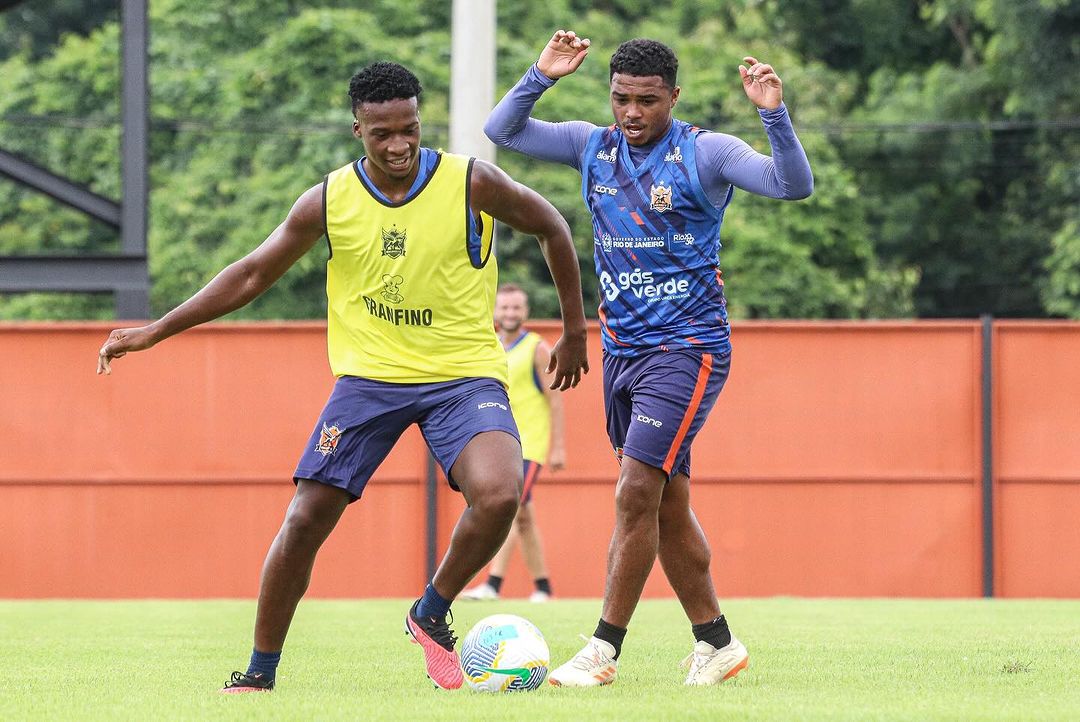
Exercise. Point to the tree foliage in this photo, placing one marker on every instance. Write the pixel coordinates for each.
(946, 159)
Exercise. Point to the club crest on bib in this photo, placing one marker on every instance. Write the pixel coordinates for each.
(391, 284)
(660, 198)
(393, 242)
(328, 439)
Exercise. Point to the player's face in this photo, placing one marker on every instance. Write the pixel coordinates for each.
(511, 310)
(642, 106)
(390, 132)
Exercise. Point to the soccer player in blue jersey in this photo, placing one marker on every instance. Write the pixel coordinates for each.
(657, 188)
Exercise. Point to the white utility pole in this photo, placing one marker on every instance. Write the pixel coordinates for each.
(472, 77)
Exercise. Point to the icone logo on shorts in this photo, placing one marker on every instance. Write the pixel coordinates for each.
(643, 285)
(492, 405)
(652, 422)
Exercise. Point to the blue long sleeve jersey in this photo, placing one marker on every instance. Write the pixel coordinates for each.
(657, 211)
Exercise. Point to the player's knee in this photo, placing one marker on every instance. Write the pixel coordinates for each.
(498, 502)
(305, 525)
(636, 498)
(524, 518)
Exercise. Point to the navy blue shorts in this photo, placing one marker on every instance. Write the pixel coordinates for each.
(656, 404)
(532, 470)
(363, 419)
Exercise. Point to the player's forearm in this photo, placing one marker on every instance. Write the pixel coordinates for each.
(234, 287)
(791, 168)
(558, 427)
(561, 256)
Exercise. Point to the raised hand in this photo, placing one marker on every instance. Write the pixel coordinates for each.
(761, 83)
(120, 342)
(563, 54)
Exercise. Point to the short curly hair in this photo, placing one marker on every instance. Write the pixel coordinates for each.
(643, 57)
(382, 81)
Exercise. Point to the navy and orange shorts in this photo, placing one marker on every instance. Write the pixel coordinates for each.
(657, 402)
(532, 470)
(363, 419)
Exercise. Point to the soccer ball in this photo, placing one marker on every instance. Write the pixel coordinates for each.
(504, 653)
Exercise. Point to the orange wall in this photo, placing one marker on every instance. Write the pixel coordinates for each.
(841, 459)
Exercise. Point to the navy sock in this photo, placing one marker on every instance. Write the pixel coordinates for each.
(264, 662)
(495, 582)
(715, 632)
(432, 604)
(611, 634)
(543, 584)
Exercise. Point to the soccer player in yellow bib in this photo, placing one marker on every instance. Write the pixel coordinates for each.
(539, 416)
(410, 287)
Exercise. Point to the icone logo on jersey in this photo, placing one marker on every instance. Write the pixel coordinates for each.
(607, 190)
(609, 156)
(492, 405)
(643, 285)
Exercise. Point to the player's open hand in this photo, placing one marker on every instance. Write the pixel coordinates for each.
(563, 54)
(761, 83)
(569, 358)
(119, 343)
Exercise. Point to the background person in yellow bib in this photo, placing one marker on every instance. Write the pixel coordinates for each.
(410, 285)
(539, 415)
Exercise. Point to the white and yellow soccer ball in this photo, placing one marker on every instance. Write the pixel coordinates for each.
(504, 653)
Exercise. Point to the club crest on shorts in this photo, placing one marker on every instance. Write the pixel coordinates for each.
(393, 242)
(328, 439)
(660, 198)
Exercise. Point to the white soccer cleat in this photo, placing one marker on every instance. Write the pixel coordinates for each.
(709, 665)
(480, 593)
(593, 666)
(539, 597)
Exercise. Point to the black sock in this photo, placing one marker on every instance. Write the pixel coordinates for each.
(715, 632)
(494, 582)
(543, 584)
(611, 634)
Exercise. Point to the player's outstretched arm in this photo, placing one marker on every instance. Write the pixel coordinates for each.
(525, 210)
(236, 286)
(563, 54)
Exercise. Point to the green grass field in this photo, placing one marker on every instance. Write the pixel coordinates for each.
(809, 659)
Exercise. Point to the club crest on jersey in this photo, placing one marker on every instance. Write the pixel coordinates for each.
(660, 198)
(391, 284)
(608, 155)
(328, 439)
(674, 156)
(393, 242)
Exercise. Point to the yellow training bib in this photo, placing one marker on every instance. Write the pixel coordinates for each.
(411, 285)
(531, 410)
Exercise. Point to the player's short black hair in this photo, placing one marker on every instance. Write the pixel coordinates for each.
(643, 57)
(383, 81)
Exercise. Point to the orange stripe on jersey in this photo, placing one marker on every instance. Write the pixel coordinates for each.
(691, 411)
(637, 218)
(607, 329)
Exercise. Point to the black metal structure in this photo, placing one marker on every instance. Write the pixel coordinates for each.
(125, 275)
